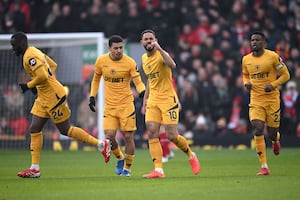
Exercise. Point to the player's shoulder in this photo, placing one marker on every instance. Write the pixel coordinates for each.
(270, 52)
(128, 58)
(32, 51)
(144, 55)
(102, 58)
(32, 55)
(247, 56)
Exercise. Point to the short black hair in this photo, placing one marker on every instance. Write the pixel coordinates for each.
(114, 39)
(148, 31)
(259, 33)
(19, 36)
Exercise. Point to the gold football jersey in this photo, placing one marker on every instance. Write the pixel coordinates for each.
(36, 63)
(265, 69)
(117, 76)
(159, 77)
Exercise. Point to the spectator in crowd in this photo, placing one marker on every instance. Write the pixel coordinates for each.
(95, 16)
(221, 99)
(14, 102)
(22, 14)
(283, 48)
(289, 98)
(133, 24)
(189, 96)
(15, 121)
(112, 23)
(51, 17)
(189, 121)
(66, 22)
(41, 10)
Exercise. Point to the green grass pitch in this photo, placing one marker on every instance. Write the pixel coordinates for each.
(82, 175)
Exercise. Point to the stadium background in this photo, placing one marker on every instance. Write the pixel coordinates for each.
(206, 38)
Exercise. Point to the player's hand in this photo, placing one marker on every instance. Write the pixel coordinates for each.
(92, 104)
(248, 86)
(33, 90)
(141, 95)
(268, 88)
(23, 87)
(156, 45)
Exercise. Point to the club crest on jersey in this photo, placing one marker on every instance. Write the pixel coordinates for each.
(112, 71)
(257, 67)
(32, 62)
(149, 67)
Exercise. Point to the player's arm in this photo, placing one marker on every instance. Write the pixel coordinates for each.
(245, 76)
(94, 89)
(146, 96)
(95, 84)
(284, 75)
(167, 59)
(139, 85)
(40, 75)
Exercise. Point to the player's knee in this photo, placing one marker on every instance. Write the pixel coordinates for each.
(272, 133)
(128, 136)
(110, 135)
(172, 136)
(34, 128)
(64, 129)
(258, 127)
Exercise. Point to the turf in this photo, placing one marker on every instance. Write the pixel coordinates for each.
(225, 174)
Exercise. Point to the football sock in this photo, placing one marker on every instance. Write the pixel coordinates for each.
(261, 149)
(277, 137)
(128, 161)
(118, 153)
(36, 144)
(160, 170)
(155, 152)
(81, 135)
(264, 166)
(182, 144)
(164, 141)
(35, 166)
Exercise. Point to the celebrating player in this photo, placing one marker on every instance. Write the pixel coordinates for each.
(161, 102)
(51, 102)
(117, 70)
(261, 68)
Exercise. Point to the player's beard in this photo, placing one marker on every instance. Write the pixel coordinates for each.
(148, 47)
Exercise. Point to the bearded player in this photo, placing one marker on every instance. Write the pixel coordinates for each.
(161, 103)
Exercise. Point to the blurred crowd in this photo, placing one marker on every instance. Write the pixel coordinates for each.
(207, 39)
